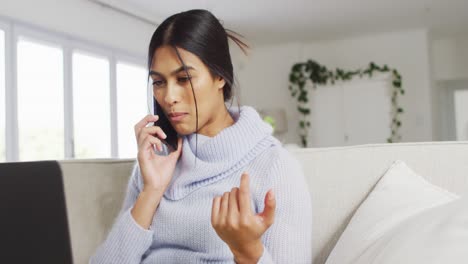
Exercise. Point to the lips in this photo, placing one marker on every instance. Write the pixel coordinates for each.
(176, 114)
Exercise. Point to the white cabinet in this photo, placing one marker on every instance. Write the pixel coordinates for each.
(461, 113)
(350, 113)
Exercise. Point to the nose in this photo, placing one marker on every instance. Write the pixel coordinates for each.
(172, 95)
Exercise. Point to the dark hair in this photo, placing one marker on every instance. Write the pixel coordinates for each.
(201, 33)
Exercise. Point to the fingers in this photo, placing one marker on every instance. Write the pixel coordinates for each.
(179, 144)
(142, 123)
(233, 207)
(244, 195)
(215, 211)
(152, 130)
(223, 211)
(268, 213)
(149, 142)
(146, 137)
(232, 216)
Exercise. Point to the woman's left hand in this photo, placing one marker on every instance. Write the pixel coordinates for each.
(236, 224)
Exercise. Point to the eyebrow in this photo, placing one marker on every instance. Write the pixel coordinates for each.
(181, 68)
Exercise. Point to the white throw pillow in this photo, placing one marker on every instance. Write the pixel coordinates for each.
(399, 195)
(436, 236)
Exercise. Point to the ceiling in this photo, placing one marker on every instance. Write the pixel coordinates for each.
(290, 20)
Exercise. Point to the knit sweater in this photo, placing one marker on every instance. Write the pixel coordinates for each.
(181, 230)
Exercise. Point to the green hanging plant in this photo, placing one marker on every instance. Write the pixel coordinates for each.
(320, 75)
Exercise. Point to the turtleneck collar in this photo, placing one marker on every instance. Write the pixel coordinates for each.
(219, 156)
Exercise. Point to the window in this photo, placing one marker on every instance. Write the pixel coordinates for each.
(67, 98)
(91, 106)
(40, 101)
(131, 105)
(2, 97)
(461, 113)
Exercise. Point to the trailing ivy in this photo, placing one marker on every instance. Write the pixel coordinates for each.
(320, 75)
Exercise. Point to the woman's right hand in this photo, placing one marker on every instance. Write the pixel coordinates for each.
(156, 170)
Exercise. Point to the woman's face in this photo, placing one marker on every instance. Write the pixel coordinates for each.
(172, 90)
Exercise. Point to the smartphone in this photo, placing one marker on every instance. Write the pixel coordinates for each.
(171, 140)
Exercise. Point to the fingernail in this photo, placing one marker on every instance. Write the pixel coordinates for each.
(272, 196)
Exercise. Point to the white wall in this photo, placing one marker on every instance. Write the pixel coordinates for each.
(450, 71)
(264, 79)
(450, 58)
(84, 20)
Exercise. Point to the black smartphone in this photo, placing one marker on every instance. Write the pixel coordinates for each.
(171, 140)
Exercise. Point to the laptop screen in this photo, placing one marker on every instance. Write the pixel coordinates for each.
(33, 215)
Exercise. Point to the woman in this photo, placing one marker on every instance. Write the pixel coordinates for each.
(229, 192)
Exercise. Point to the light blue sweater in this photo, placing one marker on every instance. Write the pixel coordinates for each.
(181, 230)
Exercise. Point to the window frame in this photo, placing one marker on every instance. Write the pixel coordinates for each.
(6, 28)
(14, 30)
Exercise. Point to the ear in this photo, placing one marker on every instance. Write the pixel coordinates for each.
(220, 82)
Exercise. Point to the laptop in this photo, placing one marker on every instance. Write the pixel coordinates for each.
(33, 215)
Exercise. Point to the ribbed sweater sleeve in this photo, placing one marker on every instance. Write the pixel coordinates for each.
(289, 239)
(127, 241)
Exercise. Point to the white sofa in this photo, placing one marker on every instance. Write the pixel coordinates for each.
(339, 179)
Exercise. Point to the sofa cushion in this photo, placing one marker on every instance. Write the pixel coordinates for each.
(437, 235)
(94, 192)
(399, 195)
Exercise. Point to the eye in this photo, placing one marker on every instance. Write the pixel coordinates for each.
(158, 83)
(184, 79)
